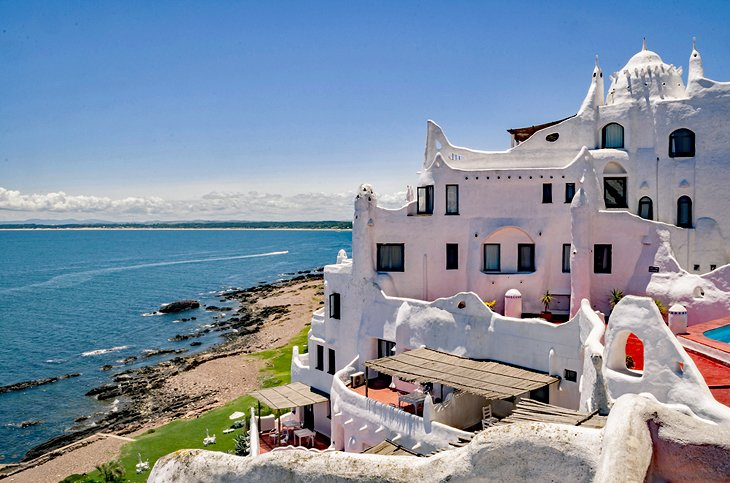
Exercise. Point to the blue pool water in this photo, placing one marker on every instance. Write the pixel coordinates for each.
(73, 301)
(721, 333)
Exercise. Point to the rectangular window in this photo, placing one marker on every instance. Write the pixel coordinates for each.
(602, 258)
(391, 257)
(491, 257)
(526, 257)
(566, 258)
(331, 368)
(571, 376)
(334, 306)
(614, 192)
(452, 199)
(569, 192)
(425, 200)
(547, 193)
(385, 348)
(452, 256)
(320, 358)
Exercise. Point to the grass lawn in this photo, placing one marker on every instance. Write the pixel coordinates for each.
(189, 433)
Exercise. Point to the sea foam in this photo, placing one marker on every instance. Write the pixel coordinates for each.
(99, 352)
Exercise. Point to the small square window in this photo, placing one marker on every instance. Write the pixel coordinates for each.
(391, 257)
(320, 358)
(334, 306)
(566, 258)
(452, 256)
(602, 258)
(696, 268)
(452, 199)
(425, 200)
(713, 267)
(526, 257)
(569, 192)
(547, 193)
(571, 376)
(491, 257)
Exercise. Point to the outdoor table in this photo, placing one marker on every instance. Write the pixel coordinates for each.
(413, 398)
(305, 433)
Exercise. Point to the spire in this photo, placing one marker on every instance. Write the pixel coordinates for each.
(594, 97)
(696, 70)
(643, 45)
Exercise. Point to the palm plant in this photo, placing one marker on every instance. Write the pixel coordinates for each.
(242, 444)
(546, 300)
(111, 472)
(616, 296)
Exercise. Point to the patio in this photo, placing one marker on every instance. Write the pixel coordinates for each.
(292, 428)
(321, 442)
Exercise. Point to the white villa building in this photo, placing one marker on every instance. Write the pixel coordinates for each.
(409, 355)
(628, 194)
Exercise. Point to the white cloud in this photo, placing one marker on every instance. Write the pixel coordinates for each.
(215, 205)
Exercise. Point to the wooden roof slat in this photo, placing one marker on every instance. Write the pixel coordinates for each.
(288, 396)
(489, 379)
(535, 411)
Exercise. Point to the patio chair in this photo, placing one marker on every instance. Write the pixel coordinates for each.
(487, 418)
(208, 438)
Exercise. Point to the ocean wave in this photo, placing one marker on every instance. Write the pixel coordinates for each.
(54, 361)
(72, 279)
(98, 352)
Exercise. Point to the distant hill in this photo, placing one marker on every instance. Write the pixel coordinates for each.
(308, 225)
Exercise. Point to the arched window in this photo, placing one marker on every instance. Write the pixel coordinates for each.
(684, 212)
(613, 135)
(682, 144)
(646, 208)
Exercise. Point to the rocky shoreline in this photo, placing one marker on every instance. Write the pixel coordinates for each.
(138, 395)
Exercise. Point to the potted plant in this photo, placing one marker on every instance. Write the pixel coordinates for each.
(546, 299)
(616, 296)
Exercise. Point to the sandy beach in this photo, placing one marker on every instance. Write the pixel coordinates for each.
(225, 373)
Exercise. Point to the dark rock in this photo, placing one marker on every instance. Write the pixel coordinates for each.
(195, 344)
(80, 419)
(18, 386)
(179, 306)
(106, 367)
(129, 360)
(215, 308)
(160, 352)
(193, 335)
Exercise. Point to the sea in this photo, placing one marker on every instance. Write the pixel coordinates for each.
(73, 301)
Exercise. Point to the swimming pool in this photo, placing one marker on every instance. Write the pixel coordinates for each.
(721, 333)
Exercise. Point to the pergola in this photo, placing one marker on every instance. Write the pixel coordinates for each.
(292, 395)
(489, 379)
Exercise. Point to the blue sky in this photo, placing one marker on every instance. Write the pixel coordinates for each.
(279, 110)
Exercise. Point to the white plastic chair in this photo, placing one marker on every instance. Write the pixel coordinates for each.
(487, 418)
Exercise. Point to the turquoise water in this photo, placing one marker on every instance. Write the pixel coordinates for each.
(73, 301)
(721, 333)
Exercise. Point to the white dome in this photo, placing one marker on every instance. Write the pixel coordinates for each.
(646, 75)
(643, 59)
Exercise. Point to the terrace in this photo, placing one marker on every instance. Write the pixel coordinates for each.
(293, 428)
(467, 394)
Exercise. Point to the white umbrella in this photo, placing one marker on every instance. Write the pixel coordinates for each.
(236, 415)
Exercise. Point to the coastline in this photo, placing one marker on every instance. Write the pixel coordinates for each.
(269, 315)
